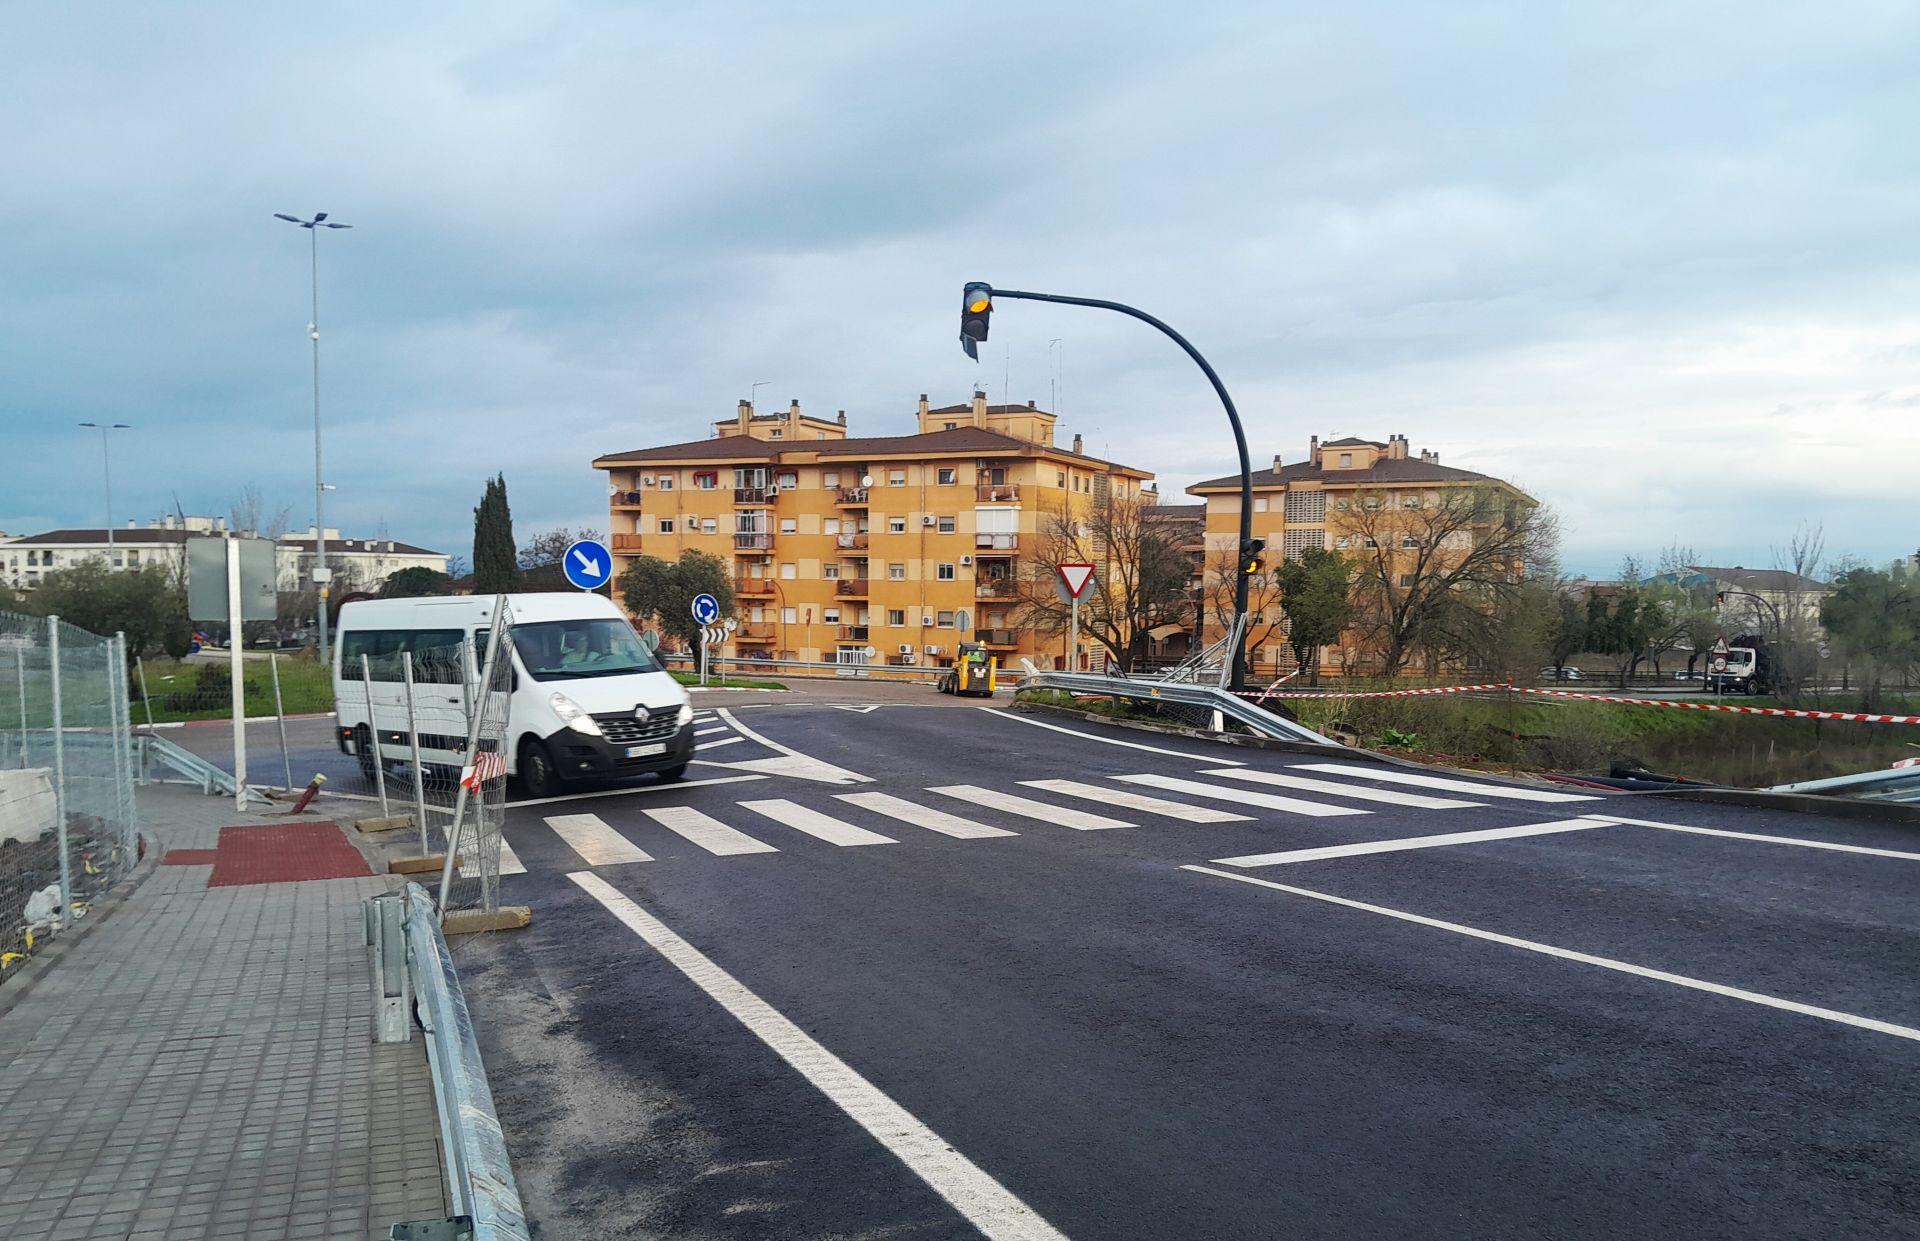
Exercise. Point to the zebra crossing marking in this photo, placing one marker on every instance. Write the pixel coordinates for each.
(1308, 784)
(1443, 782)
(705, 831)
(1246, 797)
(813, 823)
(1138, 801)
(917, 815)
(597, 844)
(1360, 848)
(510, 863)
(1013, 803)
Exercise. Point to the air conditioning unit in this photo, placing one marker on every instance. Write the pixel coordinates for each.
(966, 560)
(646, 480)
(926, 622)
(933, 650)
(906, 648)
(929, 520)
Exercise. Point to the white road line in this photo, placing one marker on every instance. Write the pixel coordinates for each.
(805, 767)
(510, 863)
(820, 826)
(1137, 801)
(1442, 782)
(1769, 840)
(1245, 797)
(917, 815)
(708, 732)
(1131, 745)
(1410, 842)
(1568, 954)
(1307, 784)
(981, 1200)
(597, 844)
(706, 831)
(714, 745)
(1013, 803)
(670, 787)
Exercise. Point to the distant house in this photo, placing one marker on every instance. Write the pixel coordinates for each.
(1756, 600)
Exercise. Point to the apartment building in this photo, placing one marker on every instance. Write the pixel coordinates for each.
(1350, 495)
(888, 549)
(368, 562)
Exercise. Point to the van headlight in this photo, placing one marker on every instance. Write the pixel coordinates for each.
(572, 716)
(685, 717)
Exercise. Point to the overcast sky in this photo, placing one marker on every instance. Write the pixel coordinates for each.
(1657, 264)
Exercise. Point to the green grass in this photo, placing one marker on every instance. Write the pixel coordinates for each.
(200, 691)
(720, 682)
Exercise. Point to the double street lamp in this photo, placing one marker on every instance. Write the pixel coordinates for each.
(976, 308)
(320, 574)
(106, 470)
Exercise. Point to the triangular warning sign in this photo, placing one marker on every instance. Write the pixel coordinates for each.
(1075, 577)
(1721, 647)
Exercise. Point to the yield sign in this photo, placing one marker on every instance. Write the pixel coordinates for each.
(1075, 578)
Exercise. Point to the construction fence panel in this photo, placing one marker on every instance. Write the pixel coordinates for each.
(68, 828)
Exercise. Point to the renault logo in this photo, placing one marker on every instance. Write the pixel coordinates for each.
(642, 715)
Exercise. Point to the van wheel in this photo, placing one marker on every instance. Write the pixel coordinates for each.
(363, 750)
(538, 776)
(673, 773)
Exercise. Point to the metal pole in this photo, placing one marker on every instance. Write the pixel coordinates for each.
(413, 739)
(319, 478)
(280, 714)
(473, 742)
(238, 675)
(106, 472)
(60, 775)
(1238, 676)
(20, 669)
(146, 696)
(1073, 634)
(373, 737)
(120, 712)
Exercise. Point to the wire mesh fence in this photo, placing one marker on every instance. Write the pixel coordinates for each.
(67, 820)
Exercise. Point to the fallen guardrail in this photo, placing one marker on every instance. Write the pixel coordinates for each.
(413, 971)
(1220, 704)
(156, 752)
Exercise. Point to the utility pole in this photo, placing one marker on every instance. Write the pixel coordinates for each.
(321, 576)
(106, 472)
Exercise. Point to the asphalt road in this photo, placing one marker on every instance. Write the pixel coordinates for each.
(767, 1003)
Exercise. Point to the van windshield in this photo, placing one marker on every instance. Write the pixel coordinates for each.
(570, 650)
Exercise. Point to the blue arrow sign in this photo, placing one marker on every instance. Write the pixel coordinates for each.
(706, 609)
(588, 564)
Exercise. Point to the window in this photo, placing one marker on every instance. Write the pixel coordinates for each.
(787, 480)
(943, 572)
(1259, 504)
(775, 433)
(830, 478)
(997, 475)
(948, 476)
(896, 573)
(1059, 478)
(830, 572)
(946, 525)
(33, 558)
(943, 619)
(949, 426)
(896, 525)
(1409, 501)
(1366, 540)
(789, 525)
(896, 478)
(706, 480)
(1346, 460)
(666, 525)
(750, 521)
(830, 616)
(789, 616)
(1341, 542)
(709, 525)
(666, 482)
(1406, 579)
(1343, 506)
(896, 617)
(830, 526)
(1409, 542)
(787, 571)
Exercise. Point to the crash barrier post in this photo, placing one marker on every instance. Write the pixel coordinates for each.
(67, 821)
(479, 1176)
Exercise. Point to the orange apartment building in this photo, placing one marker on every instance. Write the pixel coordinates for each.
(901, 545)
(1315, 503)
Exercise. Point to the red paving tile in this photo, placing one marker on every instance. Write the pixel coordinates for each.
(189, 857)
(284, 853)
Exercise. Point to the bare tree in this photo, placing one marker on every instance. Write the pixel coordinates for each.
(1436, 566)
(1139, 581)
(1797, 633)
(548, 546)
(250, 515)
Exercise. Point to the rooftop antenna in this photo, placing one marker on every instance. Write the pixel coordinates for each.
(753, 392)
(1006, 378)
(1054, 352)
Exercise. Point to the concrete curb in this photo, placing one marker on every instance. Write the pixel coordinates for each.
(1794, 803)
(15, 989)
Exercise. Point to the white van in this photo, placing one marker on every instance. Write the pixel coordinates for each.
(588, 698)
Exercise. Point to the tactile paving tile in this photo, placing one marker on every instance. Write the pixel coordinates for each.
(284, 853)
(189, 857)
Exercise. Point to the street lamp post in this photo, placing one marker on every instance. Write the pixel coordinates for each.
(321, 576)
(106, 471)
(968, 338)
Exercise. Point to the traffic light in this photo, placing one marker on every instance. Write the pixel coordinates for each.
(976, 307)
(1720, 598)
(1253, 556)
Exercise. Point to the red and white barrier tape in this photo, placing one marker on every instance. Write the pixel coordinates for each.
(1857, 717)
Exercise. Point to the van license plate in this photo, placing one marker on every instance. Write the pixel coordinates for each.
(641, 751)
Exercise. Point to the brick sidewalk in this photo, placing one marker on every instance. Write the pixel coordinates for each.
(201, 1066)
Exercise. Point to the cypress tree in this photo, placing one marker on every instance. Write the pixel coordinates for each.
(496, 563)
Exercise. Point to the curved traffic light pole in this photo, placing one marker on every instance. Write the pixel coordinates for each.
(1238, 675)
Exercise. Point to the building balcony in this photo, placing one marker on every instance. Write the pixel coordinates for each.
(999, 544)
(995, 587)
(628, 499)
(855, 497)
(848, 542)
(998, 637)
(760, 632)
(752, 542)
(753, 587)
(851, 587)
(852, 633)
(752, 495)
(629, 543)
(997, 493)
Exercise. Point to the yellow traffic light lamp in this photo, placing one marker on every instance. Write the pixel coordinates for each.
(976, 308)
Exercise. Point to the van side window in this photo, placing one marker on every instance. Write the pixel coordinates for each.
(436, 654)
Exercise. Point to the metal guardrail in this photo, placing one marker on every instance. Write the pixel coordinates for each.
(749, 666)
(486, 1201)
(156, 751)
(1211, 698)
(1900, 784)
